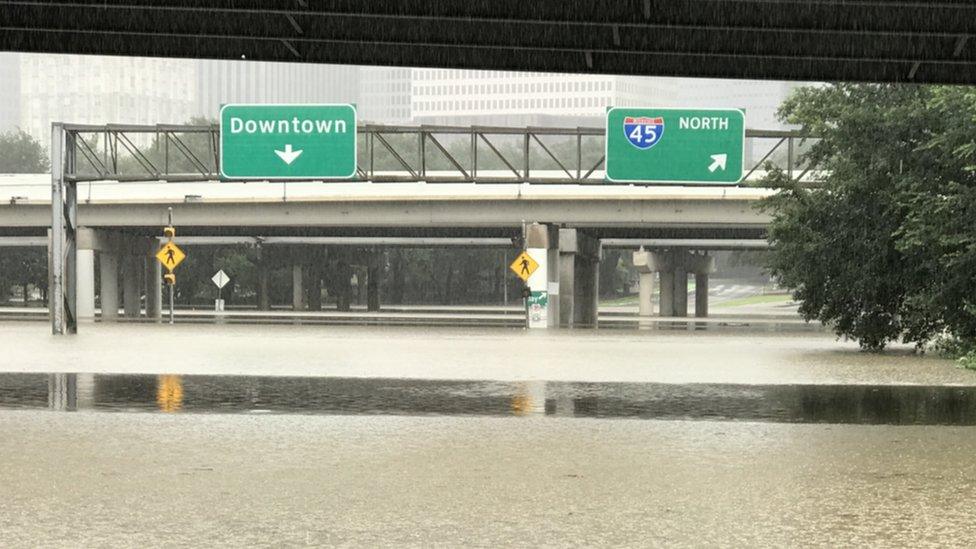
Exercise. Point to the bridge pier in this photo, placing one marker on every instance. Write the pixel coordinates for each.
(542, 243)
(108, 266)
(154, 286)
(314, 287)
(297, 289)
(131, 284)
(343, 283)
(647, 269)
(85, 284)
(579, 279)
(674, 267)
(373, 281)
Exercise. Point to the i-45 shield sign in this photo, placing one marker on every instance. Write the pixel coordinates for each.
(643, 132)
(668, 145)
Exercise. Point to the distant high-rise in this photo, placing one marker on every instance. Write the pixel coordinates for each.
(39, 89)
(9, 91)
(385, 95)
(221, 82)
(447, 96)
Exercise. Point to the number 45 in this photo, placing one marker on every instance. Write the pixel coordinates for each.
(648, 135)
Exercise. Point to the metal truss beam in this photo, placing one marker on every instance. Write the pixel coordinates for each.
(389, 154)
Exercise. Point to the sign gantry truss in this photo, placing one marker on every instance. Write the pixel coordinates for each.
(435, 154)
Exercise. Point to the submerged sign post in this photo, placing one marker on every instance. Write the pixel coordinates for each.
(675, 145)
(287, 141)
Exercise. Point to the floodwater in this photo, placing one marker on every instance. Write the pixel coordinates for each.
(814, 403)
(468, 354)
(188, 436)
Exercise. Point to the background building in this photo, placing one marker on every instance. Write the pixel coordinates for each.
(37, 89)
(221, 82)
(385, 95)
(41, 89)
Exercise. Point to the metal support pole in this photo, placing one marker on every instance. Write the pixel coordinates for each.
(57, 299)
(525, 300)
(172, 287)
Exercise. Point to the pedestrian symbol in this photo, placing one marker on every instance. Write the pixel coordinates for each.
(524, 266)
(170, 255)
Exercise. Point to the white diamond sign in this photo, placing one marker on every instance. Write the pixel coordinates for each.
(220, 279)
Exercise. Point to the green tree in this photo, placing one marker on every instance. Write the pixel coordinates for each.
(21, 153)
(884, 249)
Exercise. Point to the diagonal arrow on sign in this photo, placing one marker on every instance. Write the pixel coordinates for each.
(288, 155)
(718, 162)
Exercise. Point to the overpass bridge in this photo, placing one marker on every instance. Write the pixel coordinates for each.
(114, 187)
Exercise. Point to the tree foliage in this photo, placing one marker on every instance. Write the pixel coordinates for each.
(21, 153)
(885, 249)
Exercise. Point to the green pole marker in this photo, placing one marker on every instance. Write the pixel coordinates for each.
(287, 141)
(703, 146)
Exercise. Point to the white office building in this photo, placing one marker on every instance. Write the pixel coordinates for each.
(222, 82)
(385, 95)
(446, 96)
(93, 90)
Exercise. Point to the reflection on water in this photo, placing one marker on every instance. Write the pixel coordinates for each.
(169, 393)
(869, 404)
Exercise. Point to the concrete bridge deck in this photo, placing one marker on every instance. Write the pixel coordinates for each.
(281, 207)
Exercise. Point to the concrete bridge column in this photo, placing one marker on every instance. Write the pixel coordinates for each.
(297, 289)
(373, 281)
(701, 295)
(674, 266)
(108, 264)
(88, 241)
(666, 300)
(131, 285)
(542, 243)
(264, 273)
(579, 279)
(343, 284)
(314, 283)
(702, 265)
(680, 286)
(85, 284)
(154, 285)
(647, 264)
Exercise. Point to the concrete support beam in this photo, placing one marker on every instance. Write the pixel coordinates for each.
(542, 243)
(373, 281)
(674, 267)
(666, 301)
(646, 299)
(314, 283)
(343, 285)
(108, 264)
(579, 273)
(297, 289)
(154, 287)
(701, 295)
(680, 291)
(264, 273)
(132, 273)
(85, 285)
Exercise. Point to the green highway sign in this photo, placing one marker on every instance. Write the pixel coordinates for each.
(287, 141)
(674, 145)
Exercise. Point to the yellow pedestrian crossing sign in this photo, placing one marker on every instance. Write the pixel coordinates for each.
(524, 266)
(170, 255)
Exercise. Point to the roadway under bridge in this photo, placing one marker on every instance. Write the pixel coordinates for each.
(822, 40)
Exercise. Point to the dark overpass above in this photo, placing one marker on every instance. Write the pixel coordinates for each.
(821, 40)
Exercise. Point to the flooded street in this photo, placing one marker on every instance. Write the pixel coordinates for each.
(313, 435)
(204, 480)
(680, 356)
